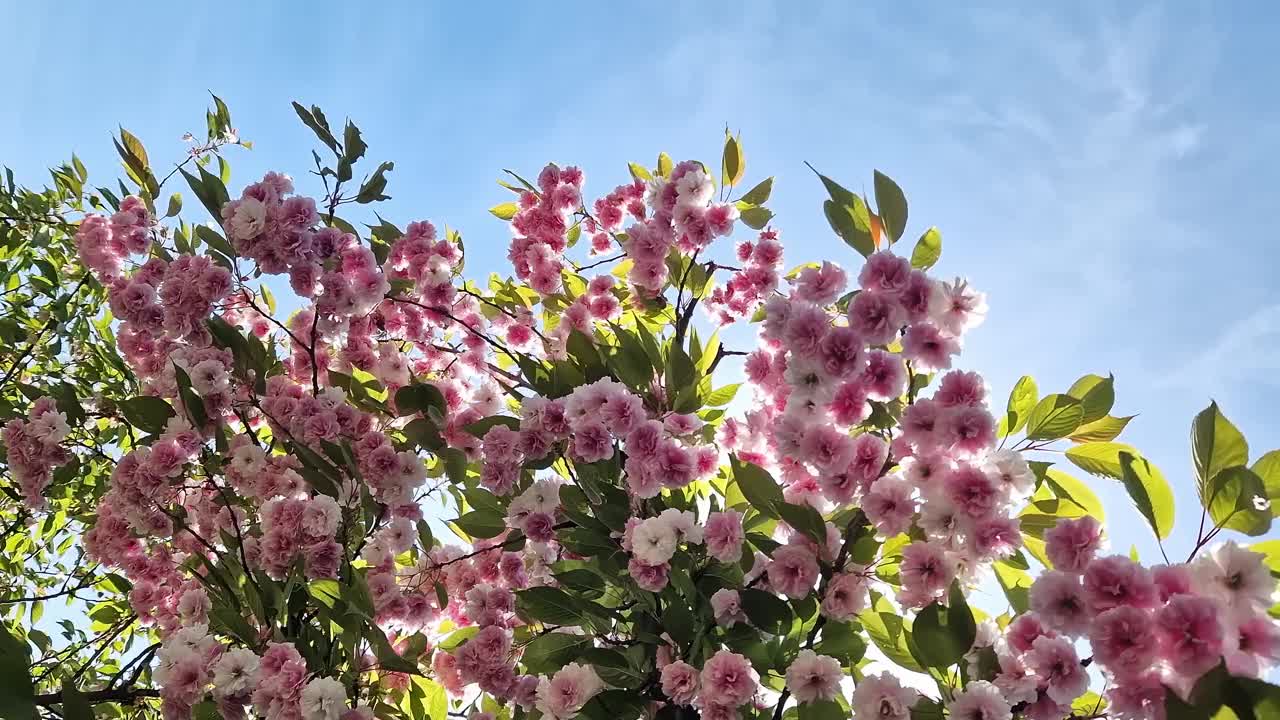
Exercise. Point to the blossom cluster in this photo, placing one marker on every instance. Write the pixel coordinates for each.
(105, 243)
(1148, 627)
(758, 277)
(537, 250)
(34, 449)
(682, 215)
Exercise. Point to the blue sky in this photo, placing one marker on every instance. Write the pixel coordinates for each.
(1104, 172)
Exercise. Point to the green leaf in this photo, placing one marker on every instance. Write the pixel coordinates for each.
(419, 397)
(1022, 399)
(615, 705)
(889, 633)
(852, 224)
(147, 412)
(1016, 584)
(17, 694)
(353, 145)
(639, 172)
(664, 165)
(371, 189)
(325, 591)
(892, 206)
(1100, 458)
(1270, 550)
(928, 249)
(1216, 445)
(721, 396)
(194, 403)
(1056, 416)
(1150, 492)
(1096, 395)
(549, 605)
(505, 211)
(759, 194)
(387, 656)
(135, 148)
(315, 120)
(1237, 501)
(756, 217)
(552, 651)
(74, 704)
(175, 205)
(732, 164)
(766, 611)
(482, 524)
(804, 519)
(480, 427)
(821, 710)
(943, 634)
(842, 641)
(1267, 467)
(1103, 429)
(758, 487)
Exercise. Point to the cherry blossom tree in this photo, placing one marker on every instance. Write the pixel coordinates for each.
(652, 468)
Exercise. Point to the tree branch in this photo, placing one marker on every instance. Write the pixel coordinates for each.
(128, 696)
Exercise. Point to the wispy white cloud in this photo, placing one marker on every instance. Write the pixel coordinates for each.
(1248, 347)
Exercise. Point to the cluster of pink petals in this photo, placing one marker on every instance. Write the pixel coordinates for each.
(1148, 627)
(33, 449)
(540, 225)
(757, 278)
(105, 243)
(681, 214)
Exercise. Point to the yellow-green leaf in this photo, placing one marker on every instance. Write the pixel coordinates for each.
(505, 211)
(927, 250)
(1150, 492)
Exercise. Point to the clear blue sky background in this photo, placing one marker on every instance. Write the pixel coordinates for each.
(1105, 173)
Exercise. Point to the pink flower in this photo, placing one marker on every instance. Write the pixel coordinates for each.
(820, 285)
(928, 348)
(1122, 640)
(806, 326)
(726, 607)
(812, 677)
(882, 697)
(846, 597)
(1171, 580)
(1024, 630)
(842, 352)
(980, 700)
(567, 691)
(1190, 634)
(926, 573)
(995, 537)
(889, 505)
(876, 317)
(1253, 646)
(652, 578)
(1059, 599)
(723, 536)
(680, 682)
(793, 571)
(1055, 663)
(1140, 698)
(972, 491)
(728, 679)
(540, 527)
(969, 430)
(1072, 543)
(1116, 580)
(826, 447)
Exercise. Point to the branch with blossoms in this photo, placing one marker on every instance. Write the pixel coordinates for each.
(633, 532)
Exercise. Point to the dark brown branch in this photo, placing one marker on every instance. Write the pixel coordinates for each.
(128, 696)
